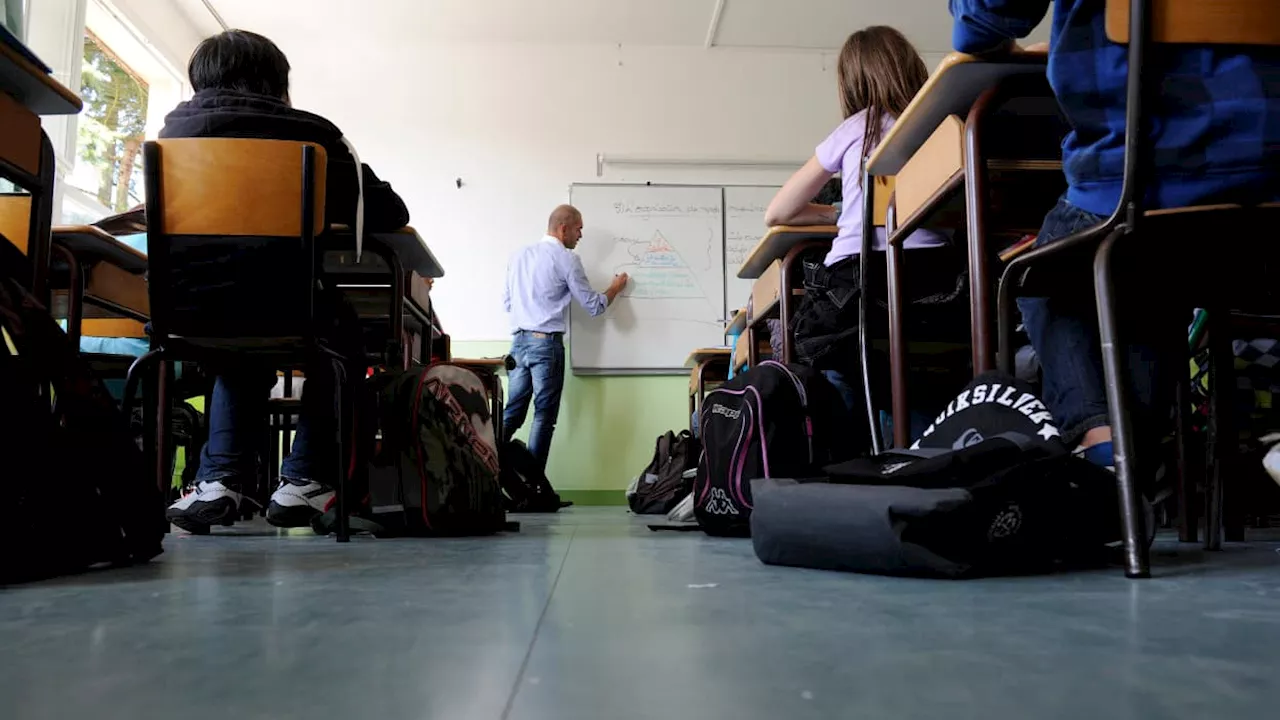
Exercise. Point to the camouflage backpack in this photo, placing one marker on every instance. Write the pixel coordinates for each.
(435, 468)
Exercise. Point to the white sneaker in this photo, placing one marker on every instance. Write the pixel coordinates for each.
(211, 504)
(297, 502)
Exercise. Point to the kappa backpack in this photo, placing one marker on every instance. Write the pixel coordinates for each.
(774, 421)
(662, 484)
(435, 468)
(76, 489)
(989, 489)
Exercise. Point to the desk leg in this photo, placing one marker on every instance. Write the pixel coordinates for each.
(977, 200)
(75, 295)
(40, 233)
(897, 342)
(753, 348)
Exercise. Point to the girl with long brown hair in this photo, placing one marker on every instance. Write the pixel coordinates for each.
(878, 74)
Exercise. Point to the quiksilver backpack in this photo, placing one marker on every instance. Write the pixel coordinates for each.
(989, 489)
(435, 468)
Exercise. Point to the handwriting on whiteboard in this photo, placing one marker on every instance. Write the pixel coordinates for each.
(663, 209)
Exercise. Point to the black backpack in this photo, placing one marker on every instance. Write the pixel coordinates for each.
(774, 421)
(524, 482)
(77, 491)
(435, 468)
(989, 489)
(661, 486)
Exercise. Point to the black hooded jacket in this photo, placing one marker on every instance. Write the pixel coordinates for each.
(229, 114)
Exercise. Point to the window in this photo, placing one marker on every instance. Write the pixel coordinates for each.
(128, 87)
(111, 130)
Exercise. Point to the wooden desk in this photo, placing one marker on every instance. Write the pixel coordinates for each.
(778, 242)
(707, 365)
(948, 171)
(737, 323)
(396, 261)
(92, 244)
(406, 243)
(489, 370)
(103, 274)
(952, 90)
(26, 155)
(31, 86)
(774, 292)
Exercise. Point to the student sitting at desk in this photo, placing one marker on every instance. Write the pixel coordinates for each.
(1216, 137)
(241, 83)
(878, 73)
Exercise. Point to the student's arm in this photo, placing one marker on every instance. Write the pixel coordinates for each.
(580, 288)
(791, 205)
(990, 27)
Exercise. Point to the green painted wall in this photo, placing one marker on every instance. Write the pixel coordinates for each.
(607, 427)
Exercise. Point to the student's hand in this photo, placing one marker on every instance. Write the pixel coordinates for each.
(1040, 47)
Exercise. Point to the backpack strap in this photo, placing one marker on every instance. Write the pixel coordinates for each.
(1023, 442)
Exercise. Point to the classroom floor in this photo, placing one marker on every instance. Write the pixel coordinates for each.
(587, 615)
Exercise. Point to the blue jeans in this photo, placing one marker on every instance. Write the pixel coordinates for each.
(238, 428)
(1064, 332)
(237, 414)
(539, 375)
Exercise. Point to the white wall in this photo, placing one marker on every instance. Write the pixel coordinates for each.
(520, 123)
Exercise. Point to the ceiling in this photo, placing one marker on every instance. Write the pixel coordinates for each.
(775, 24)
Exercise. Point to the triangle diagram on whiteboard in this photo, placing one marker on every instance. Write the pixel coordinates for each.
(658, 271)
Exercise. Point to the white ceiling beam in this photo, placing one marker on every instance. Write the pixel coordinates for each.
(208, 5)
(715, 24)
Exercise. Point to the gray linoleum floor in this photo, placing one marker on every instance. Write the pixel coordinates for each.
(588, 615)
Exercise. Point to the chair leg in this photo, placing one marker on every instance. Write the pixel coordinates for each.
(137, 370)
(1136, 552)
(344, 521)
(1222, 438)
(1005, 306)
(164, 439)
(1188, 519)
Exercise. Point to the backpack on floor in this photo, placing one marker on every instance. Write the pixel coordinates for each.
(774, 421)
(76, 489)
(525, 483)
(989, 489)
(435, 469)
(662, 485)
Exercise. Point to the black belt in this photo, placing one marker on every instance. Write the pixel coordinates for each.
(541, 335)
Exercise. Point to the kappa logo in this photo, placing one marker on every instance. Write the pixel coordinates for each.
(726, 411)
(718, 503)
(1006, 524)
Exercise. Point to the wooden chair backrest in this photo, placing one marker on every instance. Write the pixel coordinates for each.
(15, 219)
(1202, 22)
(236, 187)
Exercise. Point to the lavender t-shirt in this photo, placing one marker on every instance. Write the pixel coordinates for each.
(842, 153)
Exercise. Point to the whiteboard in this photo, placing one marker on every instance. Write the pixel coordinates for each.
(670, 240)
(744, 207)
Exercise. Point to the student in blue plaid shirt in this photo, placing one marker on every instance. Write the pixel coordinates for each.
(1216, 135)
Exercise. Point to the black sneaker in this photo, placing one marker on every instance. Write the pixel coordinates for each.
(211, 504)
(297, 502)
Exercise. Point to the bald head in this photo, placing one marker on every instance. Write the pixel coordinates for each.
(565, 224)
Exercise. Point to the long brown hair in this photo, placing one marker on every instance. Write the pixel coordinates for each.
(879, 71)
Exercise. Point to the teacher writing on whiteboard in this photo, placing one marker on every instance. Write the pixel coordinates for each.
(541, 279)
